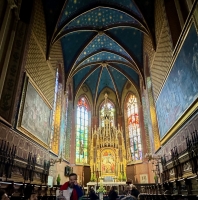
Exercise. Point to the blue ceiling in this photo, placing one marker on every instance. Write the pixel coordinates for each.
(77, 5)
(131, 41)
(102, 57)
(71, 43)
(92, 81)
(100, 17)
(105, 81)
(118, 79)
(102, 40)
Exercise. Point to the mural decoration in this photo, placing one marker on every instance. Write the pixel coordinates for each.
(34, 115)
(181, 87)
(108, 162)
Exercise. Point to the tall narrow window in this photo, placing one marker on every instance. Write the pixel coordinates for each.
(107, 111)
(82, 131)
(134, 129)
(54, 109)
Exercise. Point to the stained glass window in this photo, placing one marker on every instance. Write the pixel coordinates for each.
(107, 110)
(54, 108)
(82, 131)
(134, 129)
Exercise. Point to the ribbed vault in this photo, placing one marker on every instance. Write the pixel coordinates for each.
(102, 41)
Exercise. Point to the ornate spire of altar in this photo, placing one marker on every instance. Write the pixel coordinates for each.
(107, 110)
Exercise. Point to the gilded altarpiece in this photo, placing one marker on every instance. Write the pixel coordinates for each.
(108, 161)
(107, 150)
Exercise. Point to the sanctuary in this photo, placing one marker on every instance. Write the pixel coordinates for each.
(107, 151)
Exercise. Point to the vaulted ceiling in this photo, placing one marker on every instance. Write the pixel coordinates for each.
(102, 40)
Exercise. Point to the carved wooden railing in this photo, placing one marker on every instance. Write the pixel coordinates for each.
(7, 155)
(28, 168)
(179, 175)
(165, 191)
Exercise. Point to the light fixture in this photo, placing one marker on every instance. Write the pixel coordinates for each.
(58, 160)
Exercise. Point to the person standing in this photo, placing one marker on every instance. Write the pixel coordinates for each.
(73, 187)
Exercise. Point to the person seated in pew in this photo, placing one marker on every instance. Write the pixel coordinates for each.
(3, 195)
(92, 194)
(129, 197)
(29, 193)
(113, 195)
(33, 196)
(127, 190)
(134, 191)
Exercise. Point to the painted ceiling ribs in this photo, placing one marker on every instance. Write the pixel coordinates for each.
(102, 41)
(115, 86)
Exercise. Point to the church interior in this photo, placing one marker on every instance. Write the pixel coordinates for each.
(105, 89)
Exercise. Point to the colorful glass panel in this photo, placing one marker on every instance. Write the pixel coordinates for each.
(134, 129)
(54, 108)
(82, 131)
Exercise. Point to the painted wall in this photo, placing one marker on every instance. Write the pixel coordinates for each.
(181, 87)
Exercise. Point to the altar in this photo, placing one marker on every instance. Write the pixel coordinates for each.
(107, 150)
(107, 185)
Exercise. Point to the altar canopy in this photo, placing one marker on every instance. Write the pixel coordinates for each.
(107, 149)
